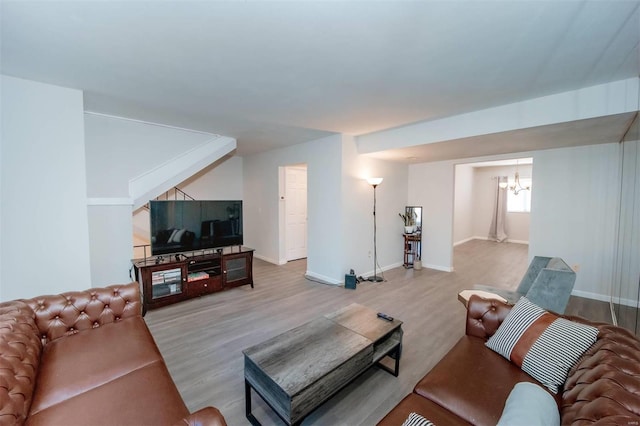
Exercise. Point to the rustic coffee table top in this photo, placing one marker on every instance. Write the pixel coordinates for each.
(363, 321)
(296, 371)
(304, 354)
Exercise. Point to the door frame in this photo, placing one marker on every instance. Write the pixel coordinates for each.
(282, 220)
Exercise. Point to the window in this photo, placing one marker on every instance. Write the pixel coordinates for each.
(520, 203)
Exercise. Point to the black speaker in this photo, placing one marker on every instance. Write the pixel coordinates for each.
(350, 281)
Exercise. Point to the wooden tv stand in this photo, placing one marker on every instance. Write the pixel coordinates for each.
(176, 277)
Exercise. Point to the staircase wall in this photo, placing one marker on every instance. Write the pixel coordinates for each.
(128, 163)
(44, 247)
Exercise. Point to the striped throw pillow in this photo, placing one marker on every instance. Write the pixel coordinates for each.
(416, 420)
(542, 344)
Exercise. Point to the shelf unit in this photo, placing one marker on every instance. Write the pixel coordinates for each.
(412, 248)
(173, 278)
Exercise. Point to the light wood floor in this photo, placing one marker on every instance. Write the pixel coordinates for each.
(202, 339)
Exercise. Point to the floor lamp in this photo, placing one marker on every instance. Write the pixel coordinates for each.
(375, 278)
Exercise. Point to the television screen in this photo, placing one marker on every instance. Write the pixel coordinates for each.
(185, 225)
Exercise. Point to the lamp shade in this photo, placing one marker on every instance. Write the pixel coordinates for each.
(375, 181)
(502, 182)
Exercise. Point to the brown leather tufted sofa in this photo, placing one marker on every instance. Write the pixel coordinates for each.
(471, 383)
(86, 358)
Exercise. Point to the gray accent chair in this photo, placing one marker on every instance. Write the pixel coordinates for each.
(548, 283)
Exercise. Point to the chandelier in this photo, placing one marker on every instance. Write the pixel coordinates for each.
(516, 187)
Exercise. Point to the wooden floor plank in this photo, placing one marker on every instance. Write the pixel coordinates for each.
(202, 339)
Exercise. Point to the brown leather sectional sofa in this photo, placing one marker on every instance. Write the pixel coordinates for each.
(86, 358)
(471, 383)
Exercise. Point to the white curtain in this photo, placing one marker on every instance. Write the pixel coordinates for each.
(498, 229)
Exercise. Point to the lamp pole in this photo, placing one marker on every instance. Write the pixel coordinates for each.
(375, 278)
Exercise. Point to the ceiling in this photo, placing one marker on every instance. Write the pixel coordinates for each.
(273, 74)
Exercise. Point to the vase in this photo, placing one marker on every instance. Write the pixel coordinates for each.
(408, 229)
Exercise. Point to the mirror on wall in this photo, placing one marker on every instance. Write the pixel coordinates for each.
(413, 219)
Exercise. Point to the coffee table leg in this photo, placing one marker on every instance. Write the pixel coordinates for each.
(247, 401)
(395, 355)
(398, 354)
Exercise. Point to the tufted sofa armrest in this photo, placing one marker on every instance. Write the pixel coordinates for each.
(603, 387)
(484, 316)
(208, 416)
(68, 313)
(20, 350)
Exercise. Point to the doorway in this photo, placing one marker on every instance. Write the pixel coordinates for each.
(475, 200)
(295, 192)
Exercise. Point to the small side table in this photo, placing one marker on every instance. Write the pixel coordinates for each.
(412, 248)
(465, 295)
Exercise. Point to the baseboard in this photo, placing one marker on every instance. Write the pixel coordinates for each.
(267, 259)
(381, 269)
(321, 278)
(466, 240)
(625, 302)
(398, 264)
(605, 298)
(590, 295)
(438, 267)
(488, 239)
(518, 241)
(393, 265)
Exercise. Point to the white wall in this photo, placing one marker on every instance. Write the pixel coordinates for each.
(357, 212)
(111, 244)
(340, 206)
(118, 150)
(262, 205)
(431, 185)
(574, 212)
(222, 180)
(484, 196)
(463, 204)
(45, 233)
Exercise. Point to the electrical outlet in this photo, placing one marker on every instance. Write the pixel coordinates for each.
(369, 253)
(575, 267)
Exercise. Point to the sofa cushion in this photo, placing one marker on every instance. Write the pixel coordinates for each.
(76, 363)
(472, 381)
(414, 403)
(20, 350)
(146, 396)
(541, 343)
(529, 405)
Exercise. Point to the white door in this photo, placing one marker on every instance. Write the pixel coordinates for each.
(296, 211)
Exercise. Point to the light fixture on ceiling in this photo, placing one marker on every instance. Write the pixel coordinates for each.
(503, 182)
(517, 186)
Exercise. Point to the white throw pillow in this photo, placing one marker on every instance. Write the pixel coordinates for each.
(529, 405)
(170, 239)
(177, 236)
(415, 419)
(541, 343)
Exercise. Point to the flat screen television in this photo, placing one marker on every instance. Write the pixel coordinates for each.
(185, 225)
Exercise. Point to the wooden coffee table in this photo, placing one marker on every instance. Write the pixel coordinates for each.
(298, 370)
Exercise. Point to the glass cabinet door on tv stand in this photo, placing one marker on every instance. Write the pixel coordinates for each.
(164, 284)
(237, 268)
